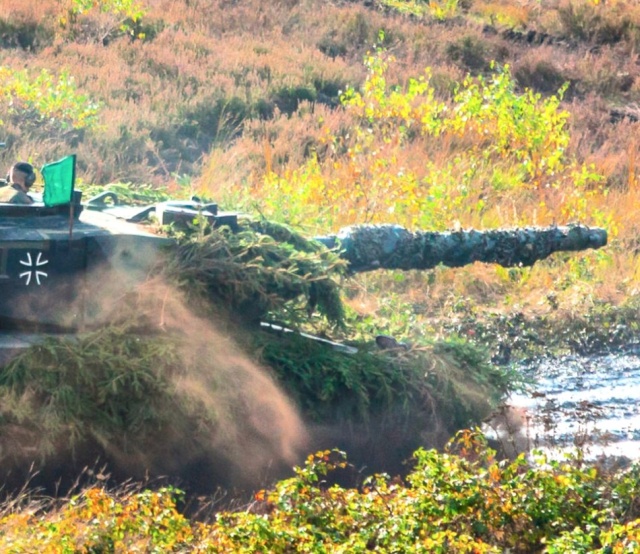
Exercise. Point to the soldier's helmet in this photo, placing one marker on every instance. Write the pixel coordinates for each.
(27, 169)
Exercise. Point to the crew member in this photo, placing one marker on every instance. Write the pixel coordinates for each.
(19, 180)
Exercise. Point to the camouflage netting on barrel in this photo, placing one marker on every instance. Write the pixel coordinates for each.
(370, 247)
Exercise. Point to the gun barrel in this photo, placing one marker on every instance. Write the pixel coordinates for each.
(371, 247)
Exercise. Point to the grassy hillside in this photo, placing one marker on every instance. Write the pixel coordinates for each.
(436, 115)
(439, 115)
(433, 115)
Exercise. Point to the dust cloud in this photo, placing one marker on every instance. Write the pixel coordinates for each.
(256, 427)
(228, 423)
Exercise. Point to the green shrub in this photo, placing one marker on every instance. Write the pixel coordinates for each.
(331, 46)
(460, 500)
(212, 120)
(542, 77)
(470, 53)
(439, 10)
(47, 100)
(287, 99)
(122, 17)
(28, 35)
(601, 24)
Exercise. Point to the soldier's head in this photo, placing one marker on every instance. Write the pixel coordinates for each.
(23, 175)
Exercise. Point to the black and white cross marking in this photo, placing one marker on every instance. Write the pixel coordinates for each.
(33, 272)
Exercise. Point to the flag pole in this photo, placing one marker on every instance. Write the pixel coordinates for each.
(72, 199)
(70, 220)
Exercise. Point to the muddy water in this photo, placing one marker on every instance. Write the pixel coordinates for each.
(587, 402)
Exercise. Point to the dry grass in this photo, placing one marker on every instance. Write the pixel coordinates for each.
(229, 92)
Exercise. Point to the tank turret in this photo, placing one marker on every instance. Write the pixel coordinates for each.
(61, 259)
(51, 259)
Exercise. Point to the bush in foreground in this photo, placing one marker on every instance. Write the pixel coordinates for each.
(460, 500)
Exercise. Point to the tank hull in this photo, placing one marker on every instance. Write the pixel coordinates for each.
(57, 275)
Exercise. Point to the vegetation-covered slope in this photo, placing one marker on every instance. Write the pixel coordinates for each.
(432, 115)
(441, 114)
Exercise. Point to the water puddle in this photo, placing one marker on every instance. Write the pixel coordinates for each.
(592, 403)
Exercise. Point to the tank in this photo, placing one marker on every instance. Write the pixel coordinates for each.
(53, 259)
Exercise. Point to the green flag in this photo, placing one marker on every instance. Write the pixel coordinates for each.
(59, 178)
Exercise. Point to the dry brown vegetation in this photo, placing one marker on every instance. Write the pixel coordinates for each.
(260, 60)
(219, 95)
(238, 99)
